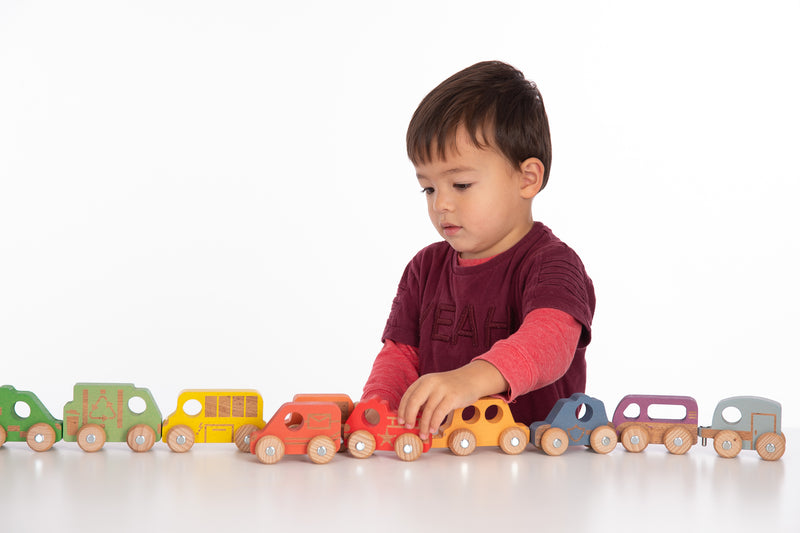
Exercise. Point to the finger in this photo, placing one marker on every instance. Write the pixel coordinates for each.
(431, 406)
(409, 406)
(438, 417)
(438, 413)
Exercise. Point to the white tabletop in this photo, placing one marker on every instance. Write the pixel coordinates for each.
(215, 487)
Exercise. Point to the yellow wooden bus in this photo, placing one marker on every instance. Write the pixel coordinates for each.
(214, 415)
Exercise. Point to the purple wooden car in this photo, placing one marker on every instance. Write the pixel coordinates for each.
(637, 431)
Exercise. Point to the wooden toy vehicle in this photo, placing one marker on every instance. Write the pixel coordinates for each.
(487, 422)
(749, 422)
(24, 418)
(636, 432)
(114, 412)
(342, 401)
(373, 426)
(563, 427)
(297, 428)
(213, 415)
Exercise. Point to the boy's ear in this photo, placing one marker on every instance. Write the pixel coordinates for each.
(532, 170)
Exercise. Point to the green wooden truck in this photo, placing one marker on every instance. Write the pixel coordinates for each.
(112, 412)
(24, 418)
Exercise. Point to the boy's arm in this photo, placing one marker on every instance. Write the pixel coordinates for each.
(539, 353)
(395, 368)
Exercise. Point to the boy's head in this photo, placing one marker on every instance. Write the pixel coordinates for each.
(494, 104)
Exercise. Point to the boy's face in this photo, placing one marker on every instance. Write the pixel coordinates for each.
(477, 201)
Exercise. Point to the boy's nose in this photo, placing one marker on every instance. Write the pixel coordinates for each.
(442, 202)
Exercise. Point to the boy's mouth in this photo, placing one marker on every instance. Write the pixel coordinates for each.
(450, 229)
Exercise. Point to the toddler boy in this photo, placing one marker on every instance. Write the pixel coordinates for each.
(501, 306)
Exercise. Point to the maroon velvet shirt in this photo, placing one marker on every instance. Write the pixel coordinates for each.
(454, 313)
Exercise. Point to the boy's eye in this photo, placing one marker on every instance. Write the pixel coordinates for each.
(427, 190)
(462, 186)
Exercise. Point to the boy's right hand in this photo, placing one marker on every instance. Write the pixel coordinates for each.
(434, 396)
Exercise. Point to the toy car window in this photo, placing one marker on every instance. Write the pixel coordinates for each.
(22, 409)
(493, 414)
(470, 415)
(731, 414)
(137, 405)
(293, 421)
(192, 407)
(585, 413)
(666, 411)
(632, 411)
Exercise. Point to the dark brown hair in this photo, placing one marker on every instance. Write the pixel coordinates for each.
(496, 105)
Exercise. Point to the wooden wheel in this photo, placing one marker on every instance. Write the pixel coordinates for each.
(513, 440)
(41, 437)
(603, 439)
(2, 435)
(770, 446)
(727, 443)
(635, 438)
(180, 439)
(91, 437)
(678, 440)
(462, 442)
(361, 444)
(242, 436)
(141, 438)
(555, 441)
(408, 447)
(270, 449)
(321, 449)
(536, 438)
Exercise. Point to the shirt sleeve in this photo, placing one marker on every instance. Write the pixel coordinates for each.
(561, 283)
(538, 354)
(395, 368)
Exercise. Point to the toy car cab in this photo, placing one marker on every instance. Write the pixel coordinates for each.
(641, 427)
(342, 401)
(297, 428)
(566, 426)
(373, 425)
(213, 415)
(748, 422)
(487, 422)
(24, 418)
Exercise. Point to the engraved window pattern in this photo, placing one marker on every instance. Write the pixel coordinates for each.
(238, 406)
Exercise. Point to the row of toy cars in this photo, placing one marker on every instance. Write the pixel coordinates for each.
(321, 425)
(741, 422)
(317, 425)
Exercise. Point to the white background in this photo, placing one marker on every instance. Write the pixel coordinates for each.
(216, 194)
